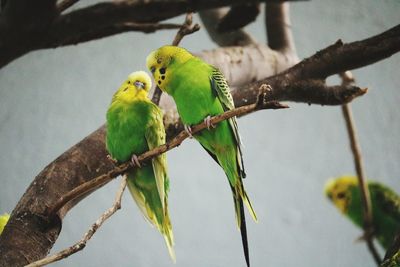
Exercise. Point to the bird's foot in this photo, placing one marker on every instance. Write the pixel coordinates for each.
(365, 236)
(208, 122)
(188, 130)
(135, 161)
(114, 161)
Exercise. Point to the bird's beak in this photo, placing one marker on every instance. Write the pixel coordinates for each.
(139, 85)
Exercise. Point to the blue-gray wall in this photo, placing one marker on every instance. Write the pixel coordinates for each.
(51, 99)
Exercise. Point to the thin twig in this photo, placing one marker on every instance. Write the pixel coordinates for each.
(88, 235)
(347, 78)
(185, 29)
(82, 189)
(65, 4)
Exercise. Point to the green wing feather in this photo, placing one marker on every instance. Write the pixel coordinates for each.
(386, 199)
(155, 136)
(221, 88)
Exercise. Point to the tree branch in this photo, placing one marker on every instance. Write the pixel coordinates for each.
(334, 59)
(392, 256)
(238, 17)
(101, 180)
(211, 19)
(65, 4)
(277, 21)
(43, 25)
(348, 79)
(81, 244)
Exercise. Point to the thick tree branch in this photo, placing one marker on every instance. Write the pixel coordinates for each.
(277, 20)
(40, 22)
(81, 244)
(65, 4)
(334, 59)
(341, 57)
(211, 19)
(87, 160)
(392, 256)
(238, 17)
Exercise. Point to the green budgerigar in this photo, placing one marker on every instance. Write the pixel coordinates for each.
(3, 221)
(201, 91)
(135, 125)
(345, 193)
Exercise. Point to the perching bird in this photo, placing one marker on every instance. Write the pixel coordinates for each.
(3, 221)
(200, 91)
(345, 193)
(135, 125)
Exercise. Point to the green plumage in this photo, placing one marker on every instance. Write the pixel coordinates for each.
(135, 125)
(3, 221)
(346, 195)
(200, 90)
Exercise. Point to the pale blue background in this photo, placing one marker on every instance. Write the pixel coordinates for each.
(51, 99)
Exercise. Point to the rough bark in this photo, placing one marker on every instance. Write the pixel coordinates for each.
(41, 23)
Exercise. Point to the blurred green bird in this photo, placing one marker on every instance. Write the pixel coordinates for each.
(200, 91)
(345, 194)
(135, 125)
(3, 221)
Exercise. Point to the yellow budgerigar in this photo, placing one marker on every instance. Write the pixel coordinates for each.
(135, 125)
(200, 91)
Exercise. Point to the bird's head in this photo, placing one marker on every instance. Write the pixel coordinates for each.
(161, 61)
(136, 86)
(339, 191)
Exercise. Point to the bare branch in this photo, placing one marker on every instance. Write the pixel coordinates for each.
(81, 244)
(185, 29)
(348, 79)
(341, 57)
(48, 29)
(334, 59)
(83, 189)
(211, 19)
(65, 4)
(238, 17)
(392, 256)
(277, 20)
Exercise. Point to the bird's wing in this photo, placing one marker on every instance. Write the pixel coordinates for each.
(221, 89)
(387, 200)
(155, 136)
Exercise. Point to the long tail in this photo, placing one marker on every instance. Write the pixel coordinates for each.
(243, 232)
(166, 231)
(149, 203)
(240, 196)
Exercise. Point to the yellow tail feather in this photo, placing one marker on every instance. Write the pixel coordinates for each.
(241, 195)
(246, 200)
(169, 237)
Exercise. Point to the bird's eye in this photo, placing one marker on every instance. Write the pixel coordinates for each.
(341, 195)
(159, 61)
(162, 71)
(153, 69)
